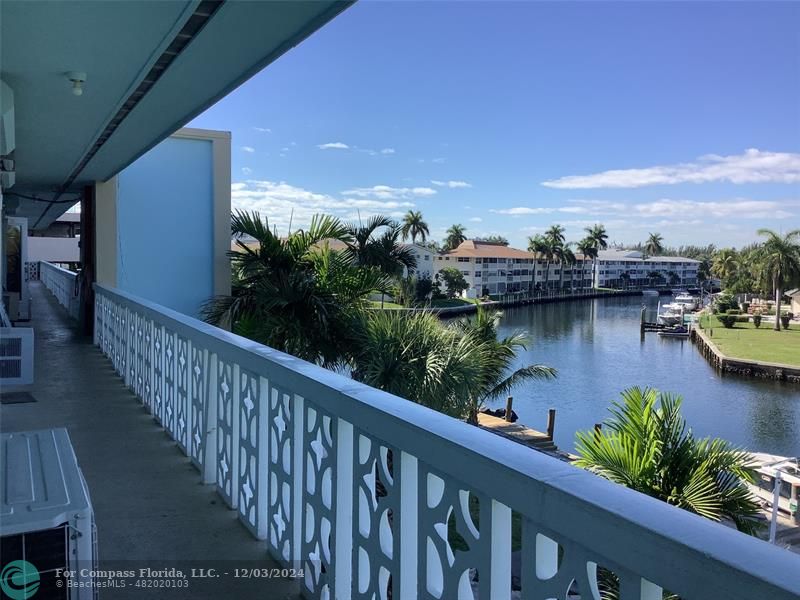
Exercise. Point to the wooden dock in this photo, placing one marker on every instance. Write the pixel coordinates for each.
(518, 433)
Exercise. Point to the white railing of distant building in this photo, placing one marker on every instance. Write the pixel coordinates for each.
(63, 284)
(356, 487)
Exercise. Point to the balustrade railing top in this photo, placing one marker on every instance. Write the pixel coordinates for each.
(63, 284)
(365, 491)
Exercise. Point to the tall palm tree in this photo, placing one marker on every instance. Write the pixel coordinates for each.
(587, 249)
(495, 376)
(294, 294)
(414, 226)
(646, 446)
(654, 244)
(780, 259)
(539, 246)
(554, 237)
(454, 236)
(377, 244)
(725, 264)
(599, 237)
(567, 259)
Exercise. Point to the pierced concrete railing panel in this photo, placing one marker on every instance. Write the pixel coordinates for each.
(371, 496)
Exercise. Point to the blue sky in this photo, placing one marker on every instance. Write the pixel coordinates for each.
(681, 118)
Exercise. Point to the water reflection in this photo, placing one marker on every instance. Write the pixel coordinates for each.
(597, 348)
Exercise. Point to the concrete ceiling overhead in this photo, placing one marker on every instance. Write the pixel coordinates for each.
(151, 67)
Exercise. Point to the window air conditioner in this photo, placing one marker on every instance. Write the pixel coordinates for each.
(46, 517)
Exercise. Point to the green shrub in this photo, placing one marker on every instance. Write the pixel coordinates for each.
(785, 321)
(733, 311)
(757, 321)
(724, 303)
(727, 320)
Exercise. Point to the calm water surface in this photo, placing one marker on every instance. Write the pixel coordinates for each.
(597, 349)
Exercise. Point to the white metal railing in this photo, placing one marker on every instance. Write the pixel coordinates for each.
(356, 487)
(64, 286)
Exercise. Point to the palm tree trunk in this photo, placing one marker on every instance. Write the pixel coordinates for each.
(778, 294)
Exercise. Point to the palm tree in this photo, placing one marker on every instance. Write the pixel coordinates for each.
(538, 246)
(414, 226)
(294, 294)
(454, 236)
(418, 358)
(377, 244)
(495, 377)
(587, 249)
(654, 244)
(646, 446)
(599, 238)
(780, 260)
(725, 264)
(566, 258)
(554, 237)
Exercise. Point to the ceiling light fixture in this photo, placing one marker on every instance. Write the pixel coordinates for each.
(77, 78)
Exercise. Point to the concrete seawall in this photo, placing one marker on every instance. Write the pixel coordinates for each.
(451, 311)
(742, 366)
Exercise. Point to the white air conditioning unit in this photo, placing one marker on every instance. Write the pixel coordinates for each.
(46, 518)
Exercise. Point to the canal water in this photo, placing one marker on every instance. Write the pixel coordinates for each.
(598, 351)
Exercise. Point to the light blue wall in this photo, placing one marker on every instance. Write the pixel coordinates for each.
(165, 225)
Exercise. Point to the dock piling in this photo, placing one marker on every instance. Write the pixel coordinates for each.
(551, 422)
(509, 402)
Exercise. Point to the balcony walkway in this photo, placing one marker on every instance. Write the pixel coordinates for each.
(148, 500)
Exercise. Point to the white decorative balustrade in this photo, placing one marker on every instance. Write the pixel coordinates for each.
(362, 489)
(64, 286)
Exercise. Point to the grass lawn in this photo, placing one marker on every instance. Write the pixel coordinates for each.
(448, 302)
(764, 344)
(386, 304)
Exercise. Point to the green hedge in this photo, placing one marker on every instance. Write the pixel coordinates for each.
(727, 320)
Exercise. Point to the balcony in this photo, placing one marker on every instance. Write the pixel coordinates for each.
(359, 489)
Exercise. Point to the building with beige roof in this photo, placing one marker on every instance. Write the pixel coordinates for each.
(492, 268)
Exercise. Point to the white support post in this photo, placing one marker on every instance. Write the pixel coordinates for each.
(210, 426)
(650, 591)
(298, 468)
(343, 546)
(409, 526)
(500, 551)
(262, 460)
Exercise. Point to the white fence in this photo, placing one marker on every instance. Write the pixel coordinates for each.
(361, 489)
(64, 286)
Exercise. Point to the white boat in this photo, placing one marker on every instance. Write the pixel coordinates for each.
(687, 300)
(670, 314)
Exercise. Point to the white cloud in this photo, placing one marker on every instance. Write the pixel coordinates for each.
(285, 149)
(530, 210)
(438, 161)
(333, 146)
(739, 208)
(387, 151)
(280, 201)
(263, 129)
(451, 184)
(246, 170)
(386, 192)
(476, 220)
(249, 149)
(753, 166)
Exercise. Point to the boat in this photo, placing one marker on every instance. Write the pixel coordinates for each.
(677, 331)
(670, 314)
(687, 300)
